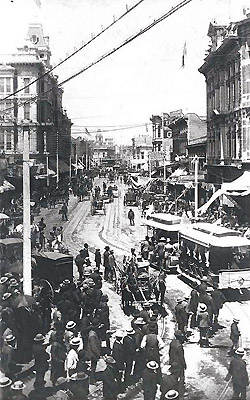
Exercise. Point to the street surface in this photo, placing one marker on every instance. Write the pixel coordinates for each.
(206, 367)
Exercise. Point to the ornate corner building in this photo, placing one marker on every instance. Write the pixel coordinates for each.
(227, 72)
(39, 105)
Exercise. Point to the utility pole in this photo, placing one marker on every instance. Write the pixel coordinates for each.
(86, 155)
(70, 167)
(57, 159)
(76, 164)
(27, 286)
(164, 172)
(196, 186)
(149, 165)
(46, 153)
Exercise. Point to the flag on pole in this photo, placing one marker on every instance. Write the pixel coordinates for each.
(184, 53)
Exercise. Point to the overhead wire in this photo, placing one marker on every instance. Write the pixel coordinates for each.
(109, 53)
(128, 10)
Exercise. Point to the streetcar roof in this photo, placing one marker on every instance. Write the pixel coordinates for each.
(165, 222)
(208, 234)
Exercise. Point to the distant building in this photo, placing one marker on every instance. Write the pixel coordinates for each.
(189, 134)
(104, 152)
(227, 72)
(141, 148)
(39, 105)
(161, 141)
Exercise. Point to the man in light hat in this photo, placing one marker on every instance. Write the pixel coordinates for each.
(150, 380)
(172, 395)
(181, 316)
(110, 381)
(41, 358)
(72, 359)
(16, 391)
(234, 336)
(203, 321)
(237, 370)
(168, 382)
(8, 356)
(118, 356)
(79, 385)
(5, 384)
(129, 345)
(177, 360)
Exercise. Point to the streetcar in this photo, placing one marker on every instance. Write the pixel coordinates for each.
(97, 205)
(220, 254)
(164, 225)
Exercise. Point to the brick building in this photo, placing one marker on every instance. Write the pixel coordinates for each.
(227, 72)
(50, 128)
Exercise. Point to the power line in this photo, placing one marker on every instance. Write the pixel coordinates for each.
(123, 44)
(128, 10)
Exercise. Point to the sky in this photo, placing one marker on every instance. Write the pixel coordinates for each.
(142, 79)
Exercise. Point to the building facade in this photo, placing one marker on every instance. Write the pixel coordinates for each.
(104, 152)
(141, 151)
(227, 72)
(38, 106)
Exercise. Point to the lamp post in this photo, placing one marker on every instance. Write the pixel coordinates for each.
(27, 286)
(57, 159)
(164, 172)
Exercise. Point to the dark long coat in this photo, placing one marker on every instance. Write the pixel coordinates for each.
(118, 355)
(110, 383)
(238, 371)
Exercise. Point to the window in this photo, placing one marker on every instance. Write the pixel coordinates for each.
(26, 81)
(1, 85)
(26, 111)
(8, 141)
(8, 85)
(1, 141)
(142, 154)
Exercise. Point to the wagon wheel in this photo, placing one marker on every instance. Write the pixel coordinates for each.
(48, 289)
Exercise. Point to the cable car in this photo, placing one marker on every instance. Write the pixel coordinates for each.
(219, 253)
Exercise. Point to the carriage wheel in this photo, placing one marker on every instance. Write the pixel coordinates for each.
(48, 289)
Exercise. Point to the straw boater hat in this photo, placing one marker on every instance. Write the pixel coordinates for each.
(171, 394)
(202, 307)
(18, 385)
(79, 376)
(6, 296)
(109, 360)
(75, 342)
(130, 331)
(70, 325)
(236, 320)
(3, 280)
(152, 365)
(240, 351)
(139, 321)
(5, 382)
(179, 300)
(39, 338)
(10, 338)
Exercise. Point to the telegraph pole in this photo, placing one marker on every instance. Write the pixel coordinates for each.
(164, 172)
(196, 187)
(27, 286)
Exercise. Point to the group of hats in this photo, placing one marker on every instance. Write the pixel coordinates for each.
(5, 382)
